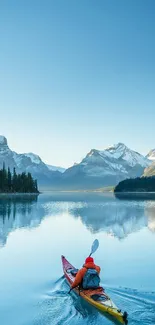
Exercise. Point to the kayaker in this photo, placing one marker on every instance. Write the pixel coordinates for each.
(88, 276)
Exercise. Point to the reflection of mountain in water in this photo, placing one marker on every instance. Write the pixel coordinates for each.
(102, 212)
(98, 212)
(150, 212)
(16, 212)
(117, 219)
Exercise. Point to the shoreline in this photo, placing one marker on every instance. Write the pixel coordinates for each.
(75, 191)
(124, 193)
(135, 195)
(18, 194)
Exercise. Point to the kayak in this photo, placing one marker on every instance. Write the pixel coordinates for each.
(96, 297)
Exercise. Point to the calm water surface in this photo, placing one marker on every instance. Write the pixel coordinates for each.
(34, 232)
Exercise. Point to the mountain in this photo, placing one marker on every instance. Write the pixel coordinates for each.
(151, 155)
(150, 170)
(104, 168)
(99, 168)
(27, 162)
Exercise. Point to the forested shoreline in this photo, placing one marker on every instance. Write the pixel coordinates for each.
(11, 182)
(139, 184)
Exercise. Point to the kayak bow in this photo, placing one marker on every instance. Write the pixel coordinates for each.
(97, 298)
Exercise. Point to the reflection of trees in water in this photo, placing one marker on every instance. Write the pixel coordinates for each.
(15, 212)
(23, 205)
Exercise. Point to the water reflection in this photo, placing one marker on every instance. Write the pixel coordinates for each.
(99, 213)
(150, 213)
(114, 218)
(106, 213)
(138, 196)
(16, 212)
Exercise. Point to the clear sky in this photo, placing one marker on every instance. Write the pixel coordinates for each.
(77, 75)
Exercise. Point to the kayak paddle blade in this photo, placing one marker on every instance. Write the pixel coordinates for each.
(94, 247)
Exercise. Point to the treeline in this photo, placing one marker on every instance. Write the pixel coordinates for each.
(17, 183)
(139, 184)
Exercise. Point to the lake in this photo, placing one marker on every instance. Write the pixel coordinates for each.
(36, 231)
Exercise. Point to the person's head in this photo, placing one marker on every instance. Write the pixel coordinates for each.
(89, 259)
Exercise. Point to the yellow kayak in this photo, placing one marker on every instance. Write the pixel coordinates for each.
(97, 298)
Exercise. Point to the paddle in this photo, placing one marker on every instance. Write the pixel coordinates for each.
(94, 248)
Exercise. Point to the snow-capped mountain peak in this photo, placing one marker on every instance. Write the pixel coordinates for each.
(119, 146)
(4, 149)
(3, 140)
(105, 167)
(121, 151)
(93, 152)
(117, 153)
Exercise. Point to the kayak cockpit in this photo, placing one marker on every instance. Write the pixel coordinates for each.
(72, 271)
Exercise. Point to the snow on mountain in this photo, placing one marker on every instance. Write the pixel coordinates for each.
(117, 152)
(115, 159)
(106, 167)
(55, 168)
(34, 158)
(99, 168)
(151, 155)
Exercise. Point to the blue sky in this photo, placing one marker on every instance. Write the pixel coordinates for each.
(76, 75)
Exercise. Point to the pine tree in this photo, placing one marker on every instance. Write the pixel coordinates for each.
(9, 181)
(1, 180)
(14, 180)
(4, 179)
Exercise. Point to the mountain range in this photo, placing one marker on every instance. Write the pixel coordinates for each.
(99, 168)
(150, 171)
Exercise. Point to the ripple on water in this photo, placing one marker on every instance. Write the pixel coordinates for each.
(139, 305)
